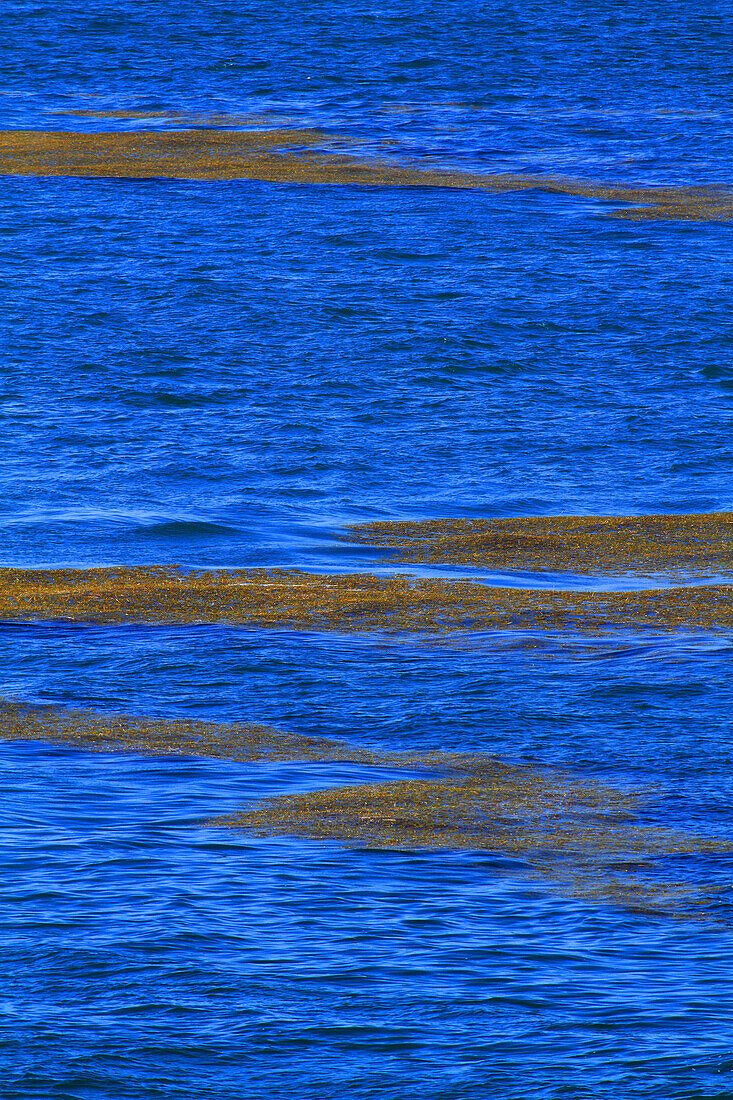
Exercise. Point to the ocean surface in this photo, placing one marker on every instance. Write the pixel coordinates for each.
(229, 373)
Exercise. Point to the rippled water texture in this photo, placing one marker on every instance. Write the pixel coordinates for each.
(337, 761)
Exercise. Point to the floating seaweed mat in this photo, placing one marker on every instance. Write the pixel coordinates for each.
(577, 832)
(284, 156)
(173, 154)
(240, 741)
(691, 545)
(587, 837)
(244, 741)
(353, 602)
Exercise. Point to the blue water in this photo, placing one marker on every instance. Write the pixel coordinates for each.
(227, 373)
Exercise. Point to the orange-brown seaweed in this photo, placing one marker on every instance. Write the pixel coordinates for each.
(353, 602)
(243, 741)
(580, 834)
(285, 156)
(689, 545)
(588, 837)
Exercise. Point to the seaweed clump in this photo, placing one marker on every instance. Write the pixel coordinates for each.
(586, 837)
(284, 156)
(353, 602)
(697, 545)
(243, 741)
(145, 154)
(575, 832)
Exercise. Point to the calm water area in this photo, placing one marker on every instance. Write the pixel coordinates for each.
(228, 373)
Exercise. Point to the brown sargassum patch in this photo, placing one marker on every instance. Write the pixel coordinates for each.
(169, 154)
(583, 836)
(286, 156)
(244, 741)
(353, 602)
(586, 837)
(691, 545)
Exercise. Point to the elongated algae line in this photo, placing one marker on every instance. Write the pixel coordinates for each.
(243, 741)
(692, 545)
(575, 831)
(352, 602)
(284, 156)
(584, 836)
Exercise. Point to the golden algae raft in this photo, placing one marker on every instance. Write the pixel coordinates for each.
(586, 837)
(691, 545)
(243, 741)
(287, 156)
(353, 602)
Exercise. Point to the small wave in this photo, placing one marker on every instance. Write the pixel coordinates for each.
(611, 646)
(148, 399)
(187, 529)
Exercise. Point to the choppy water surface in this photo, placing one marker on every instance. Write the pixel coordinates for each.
(227, 373)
